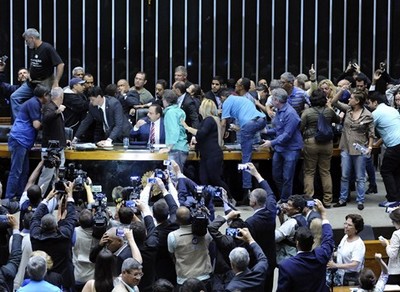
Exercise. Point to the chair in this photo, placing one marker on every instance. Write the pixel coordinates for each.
(4, 131)
(141, 113)
(367, 233)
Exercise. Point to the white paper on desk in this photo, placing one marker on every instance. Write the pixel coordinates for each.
(85, 146)
(392, 288)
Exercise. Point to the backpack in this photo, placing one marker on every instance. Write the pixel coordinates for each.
(324, 129)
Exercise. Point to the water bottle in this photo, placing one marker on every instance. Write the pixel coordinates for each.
(126, 143)
(361, 148)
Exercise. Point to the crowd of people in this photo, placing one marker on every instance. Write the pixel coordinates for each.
(286, 117)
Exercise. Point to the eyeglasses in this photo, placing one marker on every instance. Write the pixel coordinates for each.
(138, 275)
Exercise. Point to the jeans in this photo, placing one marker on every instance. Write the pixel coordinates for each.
(357, 162)
(390, 171)
(247, 133)
(46, 176)
(18, 176)
(283, 169)
(179, 157)
(22, 94)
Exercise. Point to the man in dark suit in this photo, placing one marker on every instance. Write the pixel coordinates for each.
(186, 102)
(107, 111)
(143, 128)
(55, 237)
(246, 279)
(262, 223)
(164, 212)
(306, 271)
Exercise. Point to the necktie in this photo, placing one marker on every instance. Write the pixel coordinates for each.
(152, 138)
(105, 124)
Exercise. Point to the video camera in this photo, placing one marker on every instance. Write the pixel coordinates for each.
(53, 157)
(77, 175)
(100, 216)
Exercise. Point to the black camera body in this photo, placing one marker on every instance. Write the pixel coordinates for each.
(53, 157)
(77, 175)
(59, 184)
(100, 217)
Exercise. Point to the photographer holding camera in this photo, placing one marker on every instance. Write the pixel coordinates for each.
(10, 269)
(190, 252)
(164, 212)
(225, 243)
(55, 237)
(54, 140)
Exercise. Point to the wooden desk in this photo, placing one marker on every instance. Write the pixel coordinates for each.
(343, 288)
(118, 153)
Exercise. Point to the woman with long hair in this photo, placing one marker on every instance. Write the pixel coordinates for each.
(103, 273)
(208, 141)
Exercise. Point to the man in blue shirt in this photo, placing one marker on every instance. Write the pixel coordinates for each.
(250, 121)
(387, 123)
(22, 137)
(37, 270)
(287, 144)
(297, 97)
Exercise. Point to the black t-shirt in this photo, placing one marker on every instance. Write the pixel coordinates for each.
(42, 61)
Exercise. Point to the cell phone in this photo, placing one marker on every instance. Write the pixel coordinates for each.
(119, 232)
(242, 166)
(151, 180)
(310, 203)
(167, 162)
(234, 232)
(130, 204)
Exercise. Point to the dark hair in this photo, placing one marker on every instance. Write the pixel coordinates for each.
(163, 285)
(219, 79)
(103, 275)
(111, 89)
(225, 92)
(26, 221)
(41, 90)
(160, 210)
(298, 202)
(377, 96)
(318, 98)
(197, 90)
(362, 77)
(162, 82)
(367, 279)
(34, 193)
(139, 231)
(230, 83)
(246, 83)
(142, 73)
(262, 87)
(357, 220)
(304, 238)
(193, 285)
(95, 91)
(395, 215)
(158, 108)
(86, 219)
(237, 223)
(125, 215)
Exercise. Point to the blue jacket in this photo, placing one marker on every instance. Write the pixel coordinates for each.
(143, 133)
(306, 271)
